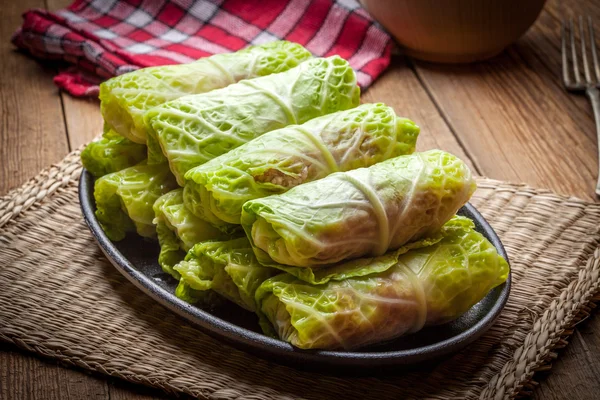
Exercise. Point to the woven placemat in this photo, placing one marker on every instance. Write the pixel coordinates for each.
(60, 298)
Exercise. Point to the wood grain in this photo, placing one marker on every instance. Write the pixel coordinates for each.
(54, 5)
(33, 134)
(83, 119)
(515, 119)
(24, 377)
(121, 390)
(30, 378)
(82, 115)
(576, 373)
(518, 123)
(32, 126)
(399, 88)
(509, 118)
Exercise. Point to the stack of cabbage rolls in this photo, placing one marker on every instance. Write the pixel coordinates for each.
(265, 183)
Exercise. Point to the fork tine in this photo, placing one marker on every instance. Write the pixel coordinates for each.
(593, 46)
(574, 53)
(586, 67)
(565, 68)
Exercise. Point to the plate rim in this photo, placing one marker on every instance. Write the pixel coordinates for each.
(258, 343)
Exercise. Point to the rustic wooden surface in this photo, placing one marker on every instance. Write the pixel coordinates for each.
(509, 118)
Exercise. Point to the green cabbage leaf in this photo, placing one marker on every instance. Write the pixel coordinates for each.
(296, 154)
(395, 294)
(179, 230)
(197, 128)
(124, 199)
(111, 153)
(125, 98)
(229, 268)
(363, 212)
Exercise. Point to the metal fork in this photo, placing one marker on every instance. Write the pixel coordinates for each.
(589, 86)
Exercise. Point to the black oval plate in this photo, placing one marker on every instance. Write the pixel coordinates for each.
(240, 328)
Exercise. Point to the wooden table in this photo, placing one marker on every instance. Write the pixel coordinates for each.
(509, 117)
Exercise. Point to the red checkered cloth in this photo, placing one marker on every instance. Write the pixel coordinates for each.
(105, 38)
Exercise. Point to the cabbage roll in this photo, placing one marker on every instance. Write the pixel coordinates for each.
(178, 230)
(291, 156)
(195, 129)
(363, 212)
(229, 268)
(111, 153)
(125, 98)
(392, 295)
(124, 199)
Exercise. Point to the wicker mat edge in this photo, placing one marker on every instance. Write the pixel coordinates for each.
(550, 331)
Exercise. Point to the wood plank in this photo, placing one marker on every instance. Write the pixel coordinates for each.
(400, 89)
(122, 390)
(514, 117)
(22, 375)
(576, 374)
(83, 119)
(84, 122)
(573, 370)
(518, 123)
(54, 5)
(32, 136)
(82, 115)
(26, 377)
(32, 133)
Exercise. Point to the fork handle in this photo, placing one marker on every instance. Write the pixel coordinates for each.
(594, 95)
